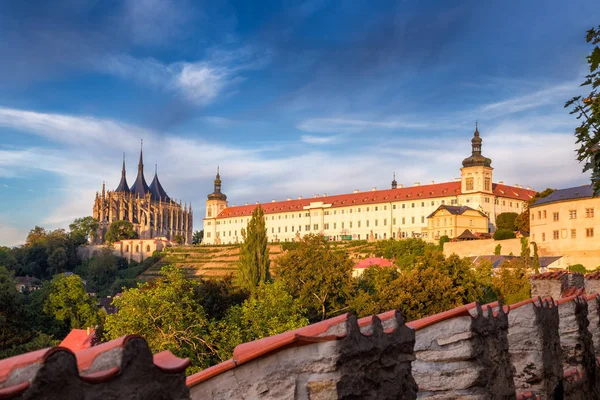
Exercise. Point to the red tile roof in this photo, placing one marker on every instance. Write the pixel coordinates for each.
(17, 373)
(594, 275)
(573, 291)
(78, 339)
(369, 262)
(375, 197)
(460, 311)
(549, 275)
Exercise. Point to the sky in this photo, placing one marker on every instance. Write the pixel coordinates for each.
(288, 98)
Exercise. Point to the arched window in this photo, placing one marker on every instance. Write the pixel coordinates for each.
(137, 248)
(148, 249)
(127, 249)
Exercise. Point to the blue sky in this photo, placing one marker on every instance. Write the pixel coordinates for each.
(290, 98)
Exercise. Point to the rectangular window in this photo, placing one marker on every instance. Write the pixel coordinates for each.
(555, 216)
(543, 237)
(367, 209)
(443, 202)
(555, 235)
(334, 225)
(207, 234)
(343, 225)
(376, 222)
(316, 227)
(367, 223)
(394, 221)
(384, 208)
(376, 208)
(573, 233)
(349, 223)
(433, 203)
(487, 184)
(403, 221)
(487, 199)
(469, 183)
(412, 220)
(359, 224)
(394, 207)
(279, 230)
(272, 230)
(589, 232)
(307, 227)
(403, 205)
(532, 216)
(589, 213)
(292, 227)
(572, 214)
(325, 226)
(544, 214)
(385, 222)
(412, 205)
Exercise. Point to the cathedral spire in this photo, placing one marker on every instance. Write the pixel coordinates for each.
(123, 187)
(140, 187)
(141, 163)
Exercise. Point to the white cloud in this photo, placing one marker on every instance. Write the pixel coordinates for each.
(200, 82)
(351, 125)
(311, 139)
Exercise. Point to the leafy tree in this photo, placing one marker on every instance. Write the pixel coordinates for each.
(587, 109)
(535, 264)
(68, 301)
(197, 237)
(269, 312)
(319, 277)
(525, 252)
(11, 310)
(578, 268)
(498, 249)
(7, 258)
(169, 315)
(83, 229)
(484, 271)
(57, 261)
(102, 270)
(443, 239)
(217, 296)
(120, 230)
(506, 221)
(405, 252)
(253, 266)
(511, 282)
(179, 239)
(503, 234)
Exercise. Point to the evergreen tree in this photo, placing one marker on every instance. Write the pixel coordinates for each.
(536, 258)
(253, 267)
(525, 251)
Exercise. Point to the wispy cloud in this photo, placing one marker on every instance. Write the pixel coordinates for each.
(351, 125)
(200, 82)
(311, 139)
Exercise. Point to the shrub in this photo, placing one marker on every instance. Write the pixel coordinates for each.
(506, 221)
(578, 268)
(502, 234)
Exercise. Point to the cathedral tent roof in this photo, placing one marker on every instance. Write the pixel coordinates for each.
(157, 191)
(123, 187)
(140, 187)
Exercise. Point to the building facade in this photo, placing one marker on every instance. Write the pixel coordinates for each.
(151, 211)
(567, 223)
(399, 212)
(452, 221)
(139, 249)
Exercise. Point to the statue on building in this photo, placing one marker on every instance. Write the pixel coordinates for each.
(151, 211)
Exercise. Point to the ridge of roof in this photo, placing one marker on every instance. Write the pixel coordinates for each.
(572, 193)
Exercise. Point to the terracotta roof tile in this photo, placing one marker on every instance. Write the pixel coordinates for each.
(369, 262)
(567, 299)
(374, 197)
(461, 311)
(594, 276)
(78, 339)
(573, 291)
(549, 275)
(528, 395)
(169, 363)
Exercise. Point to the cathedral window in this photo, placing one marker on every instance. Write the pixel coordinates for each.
(469, 183)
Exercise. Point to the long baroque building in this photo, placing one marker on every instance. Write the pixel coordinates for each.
(148, 207)
(398, 212)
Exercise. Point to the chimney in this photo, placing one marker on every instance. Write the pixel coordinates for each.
(417, 183)
(457, 179)
(257, 202)
(400, 186)
(373, 189)
(324, 194)
(528, 187)
(501, 182)
(273, 201)
(246, 203)
(356, 190)
(299, 197)
(433, 182)
(289, 199)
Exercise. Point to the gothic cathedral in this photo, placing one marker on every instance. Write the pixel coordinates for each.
(151, 211)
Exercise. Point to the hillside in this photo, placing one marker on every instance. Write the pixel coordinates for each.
(215, 262)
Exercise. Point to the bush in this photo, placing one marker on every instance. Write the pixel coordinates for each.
(578, 268)
(506, 221)
(444, 239)
(502, 234)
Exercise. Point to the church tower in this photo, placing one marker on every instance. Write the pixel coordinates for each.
(216, 203)
(476, 173)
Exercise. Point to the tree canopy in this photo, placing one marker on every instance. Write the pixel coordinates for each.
(506, 221)
(68, 301)
(587, 109)
(120, 230)
(82, 229)
(254, 263)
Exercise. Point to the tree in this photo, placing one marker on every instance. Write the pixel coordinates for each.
(579, 268)
(498, 249)
(525, 252)
(587, 109)
(506, 221)
(101, 270)
(168, 313)
(270, 312)
(179, 239)
(197, 237)
(535, 264)
(511, 282)
(443, 239)
(68, 301)
(82, 229)
(57, 261)
(11, 310)
(120, 230)
(7, 258)
(503, 234)
(404, 252)
(253, 266)
(319, 277)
